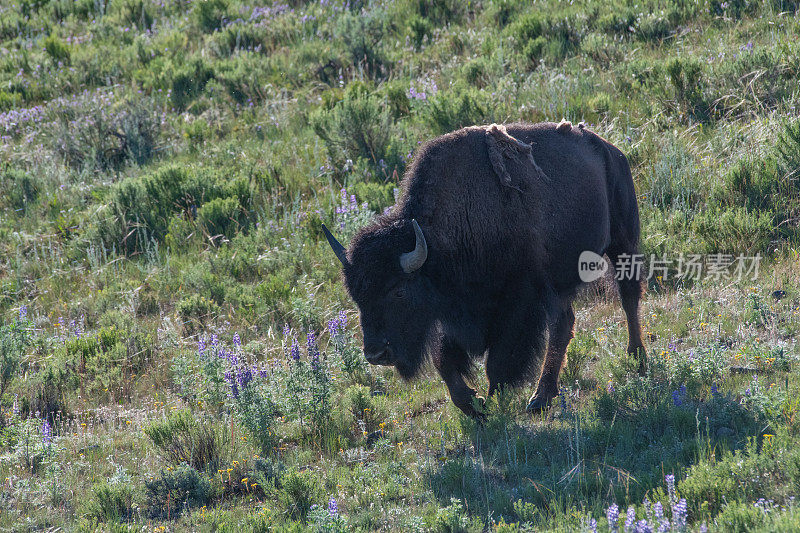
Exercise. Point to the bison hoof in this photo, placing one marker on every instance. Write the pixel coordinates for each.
(538, 404)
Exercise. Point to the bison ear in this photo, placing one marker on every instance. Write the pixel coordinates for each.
(413, 260)
(338, 249)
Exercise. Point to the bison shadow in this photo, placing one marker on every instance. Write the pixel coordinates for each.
(531, 470)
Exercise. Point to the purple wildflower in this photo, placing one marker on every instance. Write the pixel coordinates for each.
(23, 312)
(643, 526)
(680, 514)
(333, 508)
(333, 327)
(295, 350)
(630, 520)
(237, 341)
(676, 398)
(612, 514)
(670, 480)
(663, 523)
(47, 433)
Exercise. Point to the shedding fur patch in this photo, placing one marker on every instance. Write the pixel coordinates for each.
(502, 146)
(564, 126)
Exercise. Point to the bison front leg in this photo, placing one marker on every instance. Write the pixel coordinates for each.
(561, 333)
(453, 363)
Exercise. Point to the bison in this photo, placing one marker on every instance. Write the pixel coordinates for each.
(480, 255)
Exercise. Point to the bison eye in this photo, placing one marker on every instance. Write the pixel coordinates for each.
(398, 294)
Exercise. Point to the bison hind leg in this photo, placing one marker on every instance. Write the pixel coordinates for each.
(630, 293)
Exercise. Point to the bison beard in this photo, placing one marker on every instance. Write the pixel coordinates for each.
(480, 255)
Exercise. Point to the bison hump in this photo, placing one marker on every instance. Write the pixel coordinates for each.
(502, 147)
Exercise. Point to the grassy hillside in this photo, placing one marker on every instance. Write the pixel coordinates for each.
(177, 351)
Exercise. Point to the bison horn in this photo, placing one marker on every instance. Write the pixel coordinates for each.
(414, 260)
(338, 249)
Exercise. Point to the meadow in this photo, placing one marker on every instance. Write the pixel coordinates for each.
(177, 349)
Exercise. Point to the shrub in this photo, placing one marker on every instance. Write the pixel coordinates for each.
(688, 83)
(196, 312)
(183, 439)
(299, 491)
(476, 72)
(110, 502)
(653, 27)
(673, 181)
(210, 14)
(177, 490)
(57, 49)
(419, 29)
(140, 210)
(190, 80)
(451, 110)
(221, 216)
(358, 127)
(362, 36)
(14, 338)
(90, 131)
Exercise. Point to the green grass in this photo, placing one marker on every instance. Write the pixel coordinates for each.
(165, 171)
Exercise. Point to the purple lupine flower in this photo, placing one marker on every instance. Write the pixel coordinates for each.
(333, 327)
(295, 350)
(342, 319)
(680, 513)
(214, 341)
(592, 525)
(244, 376)
(630, 520)
(676, 398)
(670, 480)
(201, 347)
(23, 312)
(612, 514)
(643, 526)
(47, 433)
(648, 509)
(311, 345)
(237, 341)
(610, 387)
(333, 508)
(660, 520)
(230, 378)
(714, 391)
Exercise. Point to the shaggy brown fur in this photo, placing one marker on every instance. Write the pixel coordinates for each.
(502, 263)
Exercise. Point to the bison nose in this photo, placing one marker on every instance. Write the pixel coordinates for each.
(378, 355)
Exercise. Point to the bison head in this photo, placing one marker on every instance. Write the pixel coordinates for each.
(396, 301)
